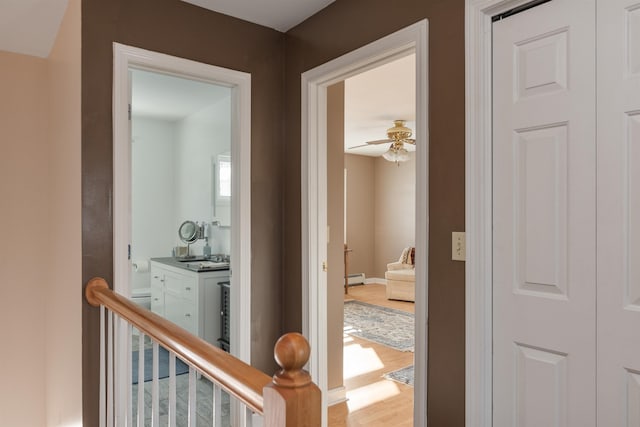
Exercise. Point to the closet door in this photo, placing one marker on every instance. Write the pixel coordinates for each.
(618, 213)
(544, 217)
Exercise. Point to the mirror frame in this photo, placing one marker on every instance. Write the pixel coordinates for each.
(189, 237)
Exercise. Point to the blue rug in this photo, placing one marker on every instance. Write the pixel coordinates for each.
(404, 375)
(386, 326)
(163, 365)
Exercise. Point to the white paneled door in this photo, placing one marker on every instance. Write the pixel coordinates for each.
(618, 213)
(544, 216)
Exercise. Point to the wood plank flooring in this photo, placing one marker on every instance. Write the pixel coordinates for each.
(372, 400)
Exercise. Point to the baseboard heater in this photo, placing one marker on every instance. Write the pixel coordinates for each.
(356, 279)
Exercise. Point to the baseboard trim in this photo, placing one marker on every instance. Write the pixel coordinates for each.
(375, 280)
(336, 395)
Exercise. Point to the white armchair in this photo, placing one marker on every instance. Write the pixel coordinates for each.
(401, 277)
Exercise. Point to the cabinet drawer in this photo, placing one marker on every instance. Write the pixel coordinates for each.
(157, 305)
(180, 286)
(156, 279)
(157, 300)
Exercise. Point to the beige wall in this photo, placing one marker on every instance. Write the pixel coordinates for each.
(360, 213)
(40, 224)
(395, 208)
(24, 227)
(335, 220)
(62, 216)
(380, 212)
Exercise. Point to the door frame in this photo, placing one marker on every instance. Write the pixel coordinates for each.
(412, 39)
(478, 207)
(240, 265)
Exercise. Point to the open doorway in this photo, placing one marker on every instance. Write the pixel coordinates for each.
(181, 210)
(371, 217)
(319, 298)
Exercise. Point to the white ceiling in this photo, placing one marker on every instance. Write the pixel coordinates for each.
(374, 99)
(30, 26)
(171, 98)
(278, 14)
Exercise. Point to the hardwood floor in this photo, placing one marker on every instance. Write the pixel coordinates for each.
(371, 399)
(377, 295)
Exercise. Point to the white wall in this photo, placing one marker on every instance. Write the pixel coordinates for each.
(154, 232)
(172, 181)
(200, 137)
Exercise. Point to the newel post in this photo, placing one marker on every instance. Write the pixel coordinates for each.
(291, 399)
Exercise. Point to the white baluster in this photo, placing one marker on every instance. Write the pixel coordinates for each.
(248, 415)
(192, 397)
(141, 379)
(103, 370)
(109, 369)
(155, 387)
(172, 389)
(217, 405)
(129, 377)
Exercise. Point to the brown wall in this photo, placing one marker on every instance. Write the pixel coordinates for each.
(340, 28)
(360, 213)
(335, 245)
(184, 30)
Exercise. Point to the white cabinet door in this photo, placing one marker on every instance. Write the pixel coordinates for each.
(180, 303)
(619, 213)
(157, 290)
(544, 287)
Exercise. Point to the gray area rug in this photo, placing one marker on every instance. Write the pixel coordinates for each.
(386, 326)
(404, 375)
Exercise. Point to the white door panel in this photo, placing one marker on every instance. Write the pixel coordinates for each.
(618, 213)
(544, 216)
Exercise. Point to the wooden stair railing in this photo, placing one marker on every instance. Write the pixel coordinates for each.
(288, 399)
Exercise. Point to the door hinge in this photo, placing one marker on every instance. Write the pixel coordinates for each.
(324, 266)
(129, 251)
(129, 112)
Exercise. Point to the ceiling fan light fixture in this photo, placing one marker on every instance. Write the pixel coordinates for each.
(396, 155)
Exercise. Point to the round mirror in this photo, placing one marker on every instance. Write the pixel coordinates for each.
(188, 232)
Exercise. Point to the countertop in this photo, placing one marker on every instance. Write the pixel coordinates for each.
(194, 265)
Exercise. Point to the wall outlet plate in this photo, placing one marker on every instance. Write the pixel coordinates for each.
(458, 246)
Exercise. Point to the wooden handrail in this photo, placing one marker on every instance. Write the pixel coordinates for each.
(291, 398)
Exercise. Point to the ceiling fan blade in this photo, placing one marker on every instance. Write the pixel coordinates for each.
(409, 141)
(379, 141)
(358, 146)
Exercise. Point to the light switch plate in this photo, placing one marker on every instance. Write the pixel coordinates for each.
(458, 246)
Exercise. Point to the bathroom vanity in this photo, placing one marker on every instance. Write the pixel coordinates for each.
(189, 296)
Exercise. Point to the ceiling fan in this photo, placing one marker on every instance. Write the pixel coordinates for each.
(397, 135)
